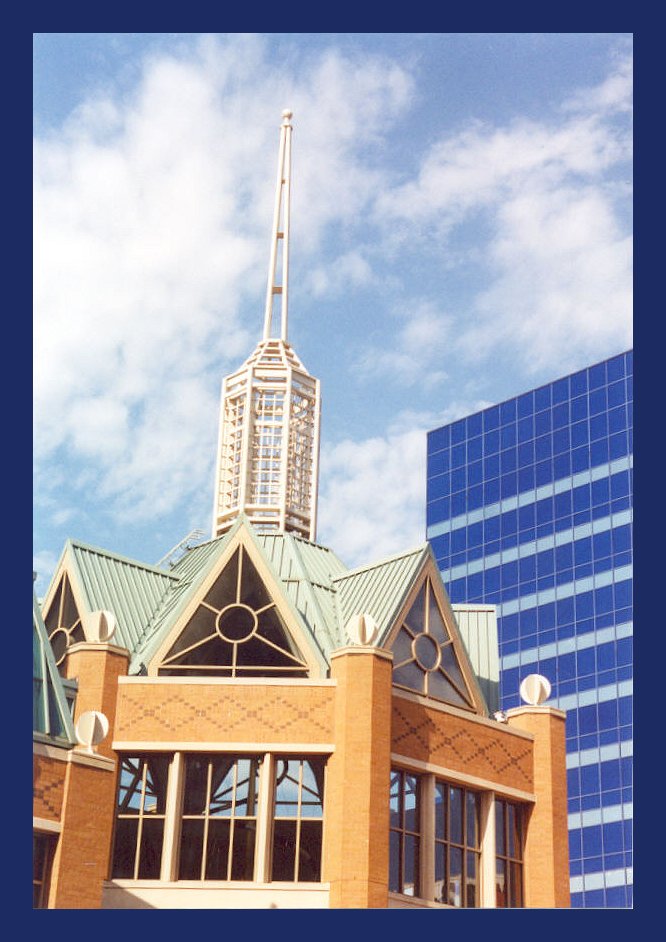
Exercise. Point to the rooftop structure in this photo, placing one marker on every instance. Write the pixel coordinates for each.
(268, 448)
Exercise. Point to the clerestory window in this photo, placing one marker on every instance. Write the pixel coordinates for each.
(424, 657)
(236, 631)
(63, 622)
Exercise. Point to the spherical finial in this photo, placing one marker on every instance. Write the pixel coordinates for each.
(287, 113)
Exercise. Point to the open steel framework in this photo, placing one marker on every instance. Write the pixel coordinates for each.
(268, 449)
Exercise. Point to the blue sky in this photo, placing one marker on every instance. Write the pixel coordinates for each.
(461, 232)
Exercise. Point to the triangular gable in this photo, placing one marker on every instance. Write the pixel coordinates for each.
(237, 622)
(64, 610)
(429, 657)
(51, 719)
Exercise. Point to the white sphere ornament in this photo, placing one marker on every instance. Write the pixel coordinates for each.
(362, 629)
(100, 626)
(91, 728)
(535, 689)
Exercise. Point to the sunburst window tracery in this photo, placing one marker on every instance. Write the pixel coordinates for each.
(424, 658)
(63, 622)
(235, 631)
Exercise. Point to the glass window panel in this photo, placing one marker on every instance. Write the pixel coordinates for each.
(450, 665)
(416, 615)
(440, 810)
(442, 689)
(410, 675)
(394, 862)
(286, 794)
(224, 591)
(402, 646)
(472, 819)
(217, 850)
(191, 849)
(124, 849)
(500, 883)
(500, 827)
(312, 796)
(435, 622)
(471, 886)
(242, 863)
(396, 788)
(150, 857)
(516, 884)
(309, 859)
(196, 783)
(284, 850)
(456, 815)
(410, 887)
(455, 888)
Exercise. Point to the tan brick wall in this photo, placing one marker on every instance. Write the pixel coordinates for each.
(81, 860)
(207, 713)
(547, 842)
(463, 745)
(97, 670)
(356, 850)
(48, 786)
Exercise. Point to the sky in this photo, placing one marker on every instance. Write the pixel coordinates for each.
(461, 231)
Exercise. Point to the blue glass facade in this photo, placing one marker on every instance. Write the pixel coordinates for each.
(529, 507)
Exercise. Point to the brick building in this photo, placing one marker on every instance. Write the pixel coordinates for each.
(283, 732)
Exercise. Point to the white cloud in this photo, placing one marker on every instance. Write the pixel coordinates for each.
(372, 500)
(151, 247)
(417, 352)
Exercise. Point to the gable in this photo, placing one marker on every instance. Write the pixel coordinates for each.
(238, 623)
(428, 655)
(63, 619)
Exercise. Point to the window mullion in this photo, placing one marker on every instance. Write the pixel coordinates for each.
(139, 830)
(427, 840)
(488, 851)
(262, 863)
(172, 823)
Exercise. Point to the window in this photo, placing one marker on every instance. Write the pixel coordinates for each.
(219, 820)
(63, 622)
(43, 846)
(298, 820)
(441, 833)
(140, 817)
(236, 631)
(424, 656)
(509, 855)
(457, 845)
(192, 816)
(405, 834)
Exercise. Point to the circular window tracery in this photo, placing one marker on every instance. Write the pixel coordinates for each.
(236, 623)
(426, 652)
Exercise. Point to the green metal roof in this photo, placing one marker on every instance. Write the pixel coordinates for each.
(379, 590)
(131, 590)
(321, 593)
(51, 719)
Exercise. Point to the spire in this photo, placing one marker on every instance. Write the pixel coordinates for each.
(268, 446)
(280, 213)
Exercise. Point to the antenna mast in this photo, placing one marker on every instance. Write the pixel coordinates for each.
(282, 202)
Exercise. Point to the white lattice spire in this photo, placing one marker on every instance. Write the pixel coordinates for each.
(268, 450)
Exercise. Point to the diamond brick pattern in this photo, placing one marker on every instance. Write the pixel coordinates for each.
(227, 714)
(48, 785)
(456, 743)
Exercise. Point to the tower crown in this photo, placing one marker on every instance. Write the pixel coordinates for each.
(268, 447)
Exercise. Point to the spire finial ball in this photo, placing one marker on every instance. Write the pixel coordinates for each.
(287, 113)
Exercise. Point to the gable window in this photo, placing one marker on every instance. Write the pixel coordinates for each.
(509, 854)
(236, 631)
(63, 622)
(424, 657)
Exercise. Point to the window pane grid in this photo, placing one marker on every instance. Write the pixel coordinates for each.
(509, 855)
(457, 849)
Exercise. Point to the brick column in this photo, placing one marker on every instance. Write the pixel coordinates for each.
(356, 813)
(81, 861)
(546, 853)
(97, 667)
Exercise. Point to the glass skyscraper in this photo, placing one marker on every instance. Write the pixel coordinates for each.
(529, 507)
